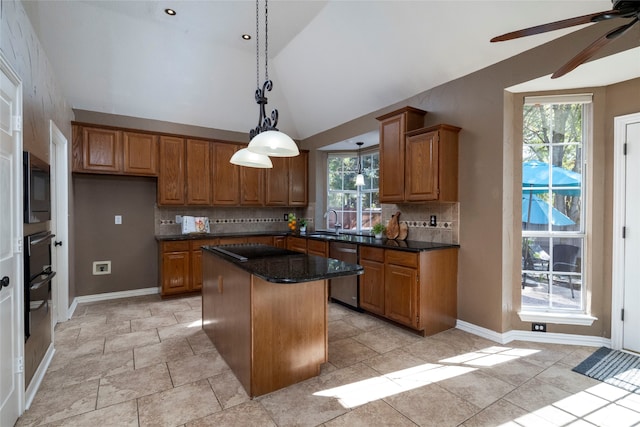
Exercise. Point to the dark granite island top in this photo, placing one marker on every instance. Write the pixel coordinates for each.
(278, 265)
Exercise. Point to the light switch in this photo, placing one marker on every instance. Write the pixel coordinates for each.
(118, 219)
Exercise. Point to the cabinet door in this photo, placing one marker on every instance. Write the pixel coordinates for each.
(317, 247)
(140, 153)
(372, 286)
(422, 167)
(226, 176)
(176, 276)
(401, 294)
(297, 244)
(298, 179)
(171, 174)
(101, 150)
(198, 172)
(196, 261)
(251, 186)
(277, 182)
(280, 242)
(392, 159)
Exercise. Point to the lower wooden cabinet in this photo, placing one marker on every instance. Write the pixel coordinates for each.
(317, 247)
(298, 244)
(371, 282)
(181, 265)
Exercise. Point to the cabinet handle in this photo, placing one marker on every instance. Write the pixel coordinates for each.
(220, 285)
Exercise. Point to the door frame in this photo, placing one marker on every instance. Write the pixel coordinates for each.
(18, 232)
(60, 222)
(617, 264)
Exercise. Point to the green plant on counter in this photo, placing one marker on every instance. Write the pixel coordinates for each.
(302, 222)
(378, 228)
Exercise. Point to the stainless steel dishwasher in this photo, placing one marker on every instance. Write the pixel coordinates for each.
(344, 289)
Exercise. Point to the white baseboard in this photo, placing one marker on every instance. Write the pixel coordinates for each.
(110, 295)
(34, 385)
(543, 337)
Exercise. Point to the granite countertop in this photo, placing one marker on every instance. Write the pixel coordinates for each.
(281, 265)
(402, 245)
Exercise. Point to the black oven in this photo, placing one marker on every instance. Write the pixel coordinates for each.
(38, 275)
(37, 189)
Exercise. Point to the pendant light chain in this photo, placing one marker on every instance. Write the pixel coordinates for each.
(266, 40)
(257, 45)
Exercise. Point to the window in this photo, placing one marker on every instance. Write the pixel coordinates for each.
(555, 135)
(358, 208)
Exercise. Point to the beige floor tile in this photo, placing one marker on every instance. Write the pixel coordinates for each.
(387, 338)
(195, 302)
(561, 376)
(614, 415)
(78, 322)
(65, 354)
(339, 329)
(228, 389)
(364, 322)
(193, 368)
(477, 387)
(431, 405)
(66, 337)
(348, 351)
(189, 316)
(93, 331)
(131, 340)
(180, 330)
(463, 341)
(152, 322)
(536, 394)
(131, 385)
(200, 342)
(127, 312)
(431, 350)
(164, 351)
(250, 413)
(90, 367)
(55, 404)
(169, 307)
(377, 413)
(515, 372)
(395, 360)
(178, 405)
(503, 413)
(124, 414)
(337, 312)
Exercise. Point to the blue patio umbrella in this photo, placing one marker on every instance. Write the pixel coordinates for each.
(536, 211)
(535, 179)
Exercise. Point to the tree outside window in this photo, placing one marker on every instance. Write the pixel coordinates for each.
(358, 208)
(553, 189)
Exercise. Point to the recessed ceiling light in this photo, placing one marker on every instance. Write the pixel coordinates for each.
(170, 12)
(246, 37)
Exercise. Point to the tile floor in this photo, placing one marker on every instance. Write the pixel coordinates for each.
(145, 362)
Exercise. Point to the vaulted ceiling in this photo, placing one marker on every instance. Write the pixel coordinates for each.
(330, 61)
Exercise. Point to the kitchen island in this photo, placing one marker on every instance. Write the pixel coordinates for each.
(265, 310)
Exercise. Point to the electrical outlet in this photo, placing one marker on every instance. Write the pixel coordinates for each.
(101, 267)
(286, 217)
(432, 221)
(118, 219)
(539, 327)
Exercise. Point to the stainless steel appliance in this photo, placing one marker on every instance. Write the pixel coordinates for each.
(344, 289)
(37, 189)
(37, 298)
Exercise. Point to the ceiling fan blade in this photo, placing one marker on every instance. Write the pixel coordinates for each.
(590, 50)
(557, 25)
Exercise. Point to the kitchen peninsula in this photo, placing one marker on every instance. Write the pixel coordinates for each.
(265, 310)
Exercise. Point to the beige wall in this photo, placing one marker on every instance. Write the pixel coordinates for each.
(42, 96)
(477, 103)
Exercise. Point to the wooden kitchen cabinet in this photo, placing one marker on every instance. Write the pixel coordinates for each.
(198, 172)
(431, 164)
(140, 153)
(195, 247)
(175, 267)
(401, 294)
(317, 247)
(251, 186)
(171, 178)
(372, 281)
(298, 244)
(101, 150)
(280, 242)
(276, 182)
(299, 179)
(393, 127)
(226, 176)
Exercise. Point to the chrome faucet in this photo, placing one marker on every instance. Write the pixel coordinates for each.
(336, 224)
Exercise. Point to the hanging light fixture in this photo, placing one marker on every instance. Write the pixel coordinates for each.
(248, 158)
(266, 139)
(360, 176)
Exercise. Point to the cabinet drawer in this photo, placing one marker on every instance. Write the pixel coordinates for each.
(175, 246)
(197, 244)
(317, 246)
(372, 254)
(408, 259)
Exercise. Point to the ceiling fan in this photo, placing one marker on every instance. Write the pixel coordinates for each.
(621, 9)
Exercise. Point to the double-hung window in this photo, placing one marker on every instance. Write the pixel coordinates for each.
(556, 131)
(357, 207)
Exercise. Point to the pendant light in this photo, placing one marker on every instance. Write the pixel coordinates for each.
(248, 158)
(266, 139)
(360, 176)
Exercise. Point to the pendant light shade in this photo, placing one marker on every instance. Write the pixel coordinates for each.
(248, 158)
(360, 176)
(359, 180)
(273, 143)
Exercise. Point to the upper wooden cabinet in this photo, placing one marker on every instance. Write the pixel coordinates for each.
(251, 186)
(198, 172)
(393, 127)
(431, 164)
(299, 179)
(171, 180)
(114, 151)
(287, 183)
(226, 176)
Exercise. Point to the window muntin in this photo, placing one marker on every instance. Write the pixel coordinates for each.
(555, 134)
(358, 208)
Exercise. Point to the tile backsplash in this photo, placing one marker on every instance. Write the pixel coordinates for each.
(418, 219)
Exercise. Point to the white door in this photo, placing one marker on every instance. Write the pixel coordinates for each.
(10, 235)
(631, 298)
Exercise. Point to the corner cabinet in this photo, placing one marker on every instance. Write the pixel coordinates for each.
(431, 164)
(417, 290)
(393, 127)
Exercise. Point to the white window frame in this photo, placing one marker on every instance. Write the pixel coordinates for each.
(555, 315)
